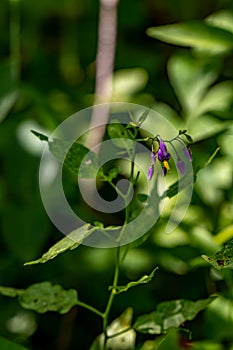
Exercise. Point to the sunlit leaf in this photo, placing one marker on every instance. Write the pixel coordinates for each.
(43, 297)
(223, 259)
(224, 235)
(142, 280)
(127, 82)
(126, 338)
(170, 314)
(190, 79)
(69, 242)
(196, 34)
(5, 344)
(221, 19)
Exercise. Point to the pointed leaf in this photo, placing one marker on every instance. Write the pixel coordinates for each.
(196, 34)
(223, 258)
(78, 159)
(142, 280)
(170, 314)
(69, 242)
(143, 117)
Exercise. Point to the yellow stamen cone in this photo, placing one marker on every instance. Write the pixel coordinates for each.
(166, 165)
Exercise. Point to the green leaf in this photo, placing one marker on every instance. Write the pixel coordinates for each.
(69, 242)
(197, 34)
(170, 314)
(9, 345)
(190, 78)
(78, 159)
(183, 183)
(112, 174)
(170, 341)
(143, 117)
(43, 297)
(120, 136)
(142, 280)
(221, 19)
(223, 259)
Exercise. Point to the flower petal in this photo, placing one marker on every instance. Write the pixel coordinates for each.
(188, 153)
(150, 172)
(181, 166)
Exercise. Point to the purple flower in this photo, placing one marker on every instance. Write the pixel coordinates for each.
(188, 153)
(153, 157)
(150, 172)
(181, 166)
(162, 152)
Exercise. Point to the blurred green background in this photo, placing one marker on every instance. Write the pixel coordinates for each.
(58, 42)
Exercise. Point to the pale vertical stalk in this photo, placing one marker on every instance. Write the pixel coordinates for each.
(104, 69)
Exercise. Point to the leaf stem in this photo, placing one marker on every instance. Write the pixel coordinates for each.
(90, 308)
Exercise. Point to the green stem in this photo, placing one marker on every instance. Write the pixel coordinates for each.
(90, 308)
(117, 265)
(15, 38)
(117, 190)
(111, 298)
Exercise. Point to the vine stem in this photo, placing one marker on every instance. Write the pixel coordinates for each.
(111, 298)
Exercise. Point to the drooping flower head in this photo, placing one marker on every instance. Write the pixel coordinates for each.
(164, 156)
(162, 151)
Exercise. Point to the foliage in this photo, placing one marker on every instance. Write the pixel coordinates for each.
(47, 77)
